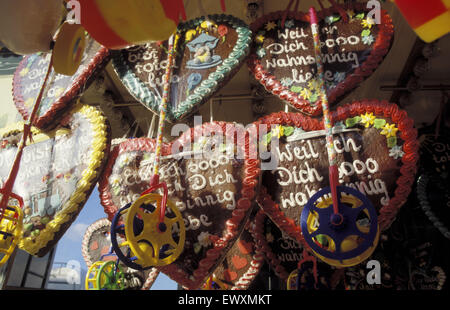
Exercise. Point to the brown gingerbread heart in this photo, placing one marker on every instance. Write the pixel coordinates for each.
(213, 192)
(352, 46)
(61, 90)
(377, 152)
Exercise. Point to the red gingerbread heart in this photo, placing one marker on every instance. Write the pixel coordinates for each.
(213, 191)
(353, 46)
(238, 270)
(377, 152)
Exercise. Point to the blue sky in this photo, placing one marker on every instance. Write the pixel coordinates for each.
(69, 246)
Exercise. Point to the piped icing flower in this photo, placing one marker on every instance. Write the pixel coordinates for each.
(367, 119)
(259, 38)
(204, 239)
(278, 132)
(368, 22)
(261, 52)
(289, 23)
(305, 93)
(389, 130)
(270, 25)
(396, 152)
(368, 39)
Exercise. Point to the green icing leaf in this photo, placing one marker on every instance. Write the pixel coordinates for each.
(336, 18)
(296, 89)
(313, 97)
(350, 122)
(360, 16)
(378, 123)
(391, 141)
(365, 33)
(267, 138)
(288, 131)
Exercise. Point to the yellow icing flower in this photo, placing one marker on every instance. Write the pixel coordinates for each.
(24, 72)
(207, 25)
(278, 132)
(270, 25)
(190, 34)
(29, 102)
(368, 22)
(259, 38)
(389, 130)
(314, 85)
(367, 119)
(58, 91)
(305, 93)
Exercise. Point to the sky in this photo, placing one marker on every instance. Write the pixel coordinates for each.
(69, 246)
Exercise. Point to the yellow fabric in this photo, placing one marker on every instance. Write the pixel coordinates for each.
(435, 28)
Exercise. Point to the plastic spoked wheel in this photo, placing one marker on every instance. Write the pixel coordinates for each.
(69, 48)
(292, 280)
(148, 245)
(214, 284)
(111, 276)
(344, 239)
(91, 282)
(10, 231)
(154, 243)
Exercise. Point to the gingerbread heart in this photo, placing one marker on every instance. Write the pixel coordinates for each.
(209, 52)
(241, 265)
(57, 173)
(377, 152)
(61, 89)
(352, 46)
(213, 190)
(96, 246)
(282, 252)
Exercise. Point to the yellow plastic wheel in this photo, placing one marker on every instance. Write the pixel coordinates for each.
(108, 278)
(69, 48)
(292, 280)
(214, 284)
(150, 246)
(350, 243)
(11, 226)
(91, 281)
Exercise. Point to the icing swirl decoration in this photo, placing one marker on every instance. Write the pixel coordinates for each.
(283, 61)
(208, 183)
(57, 174)
(210, 51)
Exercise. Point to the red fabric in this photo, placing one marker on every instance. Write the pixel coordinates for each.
(418, 12)
(92, 19)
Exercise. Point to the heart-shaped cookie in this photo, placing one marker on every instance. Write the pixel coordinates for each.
(96, 246)
(377, 152)
(209, 52)
(241, 264)
(57, 173)
(281, 251)
(432, 279)
(352, 46)
(61, 89)
(212, 182)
